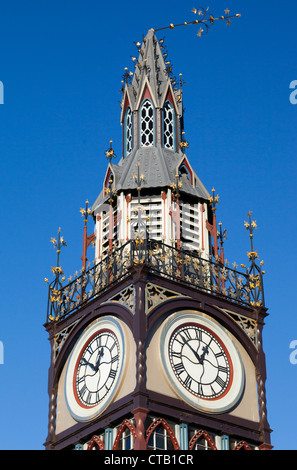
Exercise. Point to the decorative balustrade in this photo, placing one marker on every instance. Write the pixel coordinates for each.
(183, 266)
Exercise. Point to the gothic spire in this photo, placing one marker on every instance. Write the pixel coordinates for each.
(152, 70)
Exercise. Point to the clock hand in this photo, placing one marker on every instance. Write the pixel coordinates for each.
(205, 351)
(99, 359)
(192, 349)
(86, 363)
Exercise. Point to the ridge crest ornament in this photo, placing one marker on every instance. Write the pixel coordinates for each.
(201, 362)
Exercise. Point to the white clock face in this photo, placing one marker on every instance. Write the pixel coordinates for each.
(94, 369)
(201, 362)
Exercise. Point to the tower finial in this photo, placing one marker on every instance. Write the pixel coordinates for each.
(214, 200)
(56, 284)
(254, 272)
(58, 244)
(251, 226)
(85, 213)
(183, 143)
(110, 152)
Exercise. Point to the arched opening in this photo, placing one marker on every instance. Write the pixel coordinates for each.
(125, 437)
(159, 435)
(95, 444)
(242, 445)
(202, 441)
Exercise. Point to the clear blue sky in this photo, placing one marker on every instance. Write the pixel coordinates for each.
(61, 64)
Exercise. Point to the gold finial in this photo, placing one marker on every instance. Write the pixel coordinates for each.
(214, 200)
(110, 152)
(85, 212)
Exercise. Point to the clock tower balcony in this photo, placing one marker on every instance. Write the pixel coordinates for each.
(177, 265)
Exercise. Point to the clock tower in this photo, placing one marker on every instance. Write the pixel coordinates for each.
(158, 343)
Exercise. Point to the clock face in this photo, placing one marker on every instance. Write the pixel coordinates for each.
(201, 362)
(94, 369)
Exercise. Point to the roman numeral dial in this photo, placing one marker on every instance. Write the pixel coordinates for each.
(96, 368)
(200, 361)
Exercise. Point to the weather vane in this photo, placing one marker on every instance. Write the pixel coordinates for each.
(205, 21)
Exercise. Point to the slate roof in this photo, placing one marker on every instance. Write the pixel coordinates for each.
(159, 167)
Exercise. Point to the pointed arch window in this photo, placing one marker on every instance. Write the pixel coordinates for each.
(184, 170)
(168, 126)
(125, 437)
(147, 124)
(202, 441)
(160, 436)
(95, 444)
(128, 131)
(242, 445)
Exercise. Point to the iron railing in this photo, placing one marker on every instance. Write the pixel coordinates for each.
(189, 268)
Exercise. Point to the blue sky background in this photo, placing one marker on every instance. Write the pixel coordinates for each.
(61, 64)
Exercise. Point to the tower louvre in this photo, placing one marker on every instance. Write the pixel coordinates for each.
(158, 345)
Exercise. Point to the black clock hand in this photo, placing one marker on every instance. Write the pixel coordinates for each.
(205, 351)
(192, 349)
(99, 359)
(86, 363)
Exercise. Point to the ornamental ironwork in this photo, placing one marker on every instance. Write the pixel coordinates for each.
(164, 260)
